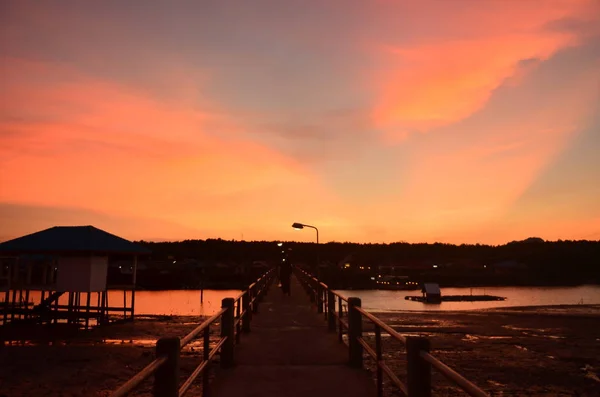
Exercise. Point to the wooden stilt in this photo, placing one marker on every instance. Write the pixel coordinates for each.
(14, 301)
(135, 260)
(76, 308)
(87, 310)
(104, 306)
(55, 319)
(20, 316)
(6, 298)
(69, 308)
(27, 303)
(98, 308)
(28, 284)
(101, 306)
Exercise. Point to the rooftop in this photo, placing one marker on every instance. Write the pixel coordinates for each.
(71, 239)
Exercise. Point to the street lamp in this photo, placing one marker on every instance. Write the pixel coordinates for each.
(300, 226)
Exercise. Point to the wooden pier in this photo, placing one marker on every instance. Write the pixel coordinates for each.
(294, 346)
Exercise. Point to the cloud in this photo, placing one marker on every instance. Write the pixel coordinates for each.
(68, 140)
(443, 78)
(228, 119)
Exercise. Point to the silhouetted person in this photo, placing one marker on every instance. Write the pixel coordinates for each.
(285, 273)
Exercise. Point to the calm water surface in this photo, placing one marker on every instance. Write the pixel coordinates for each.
(174, 302)
(187, 302)
(380, 300)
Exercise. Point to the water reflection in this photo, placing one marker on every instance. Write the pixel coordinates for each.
(187, 302)
(168, 303)
(194, 345)
(386, 300)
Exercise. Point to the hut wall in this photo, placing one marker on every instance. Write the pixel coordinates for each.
(82, 274)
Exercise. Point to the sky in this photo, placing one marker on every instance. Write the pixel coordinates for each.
(463, 121)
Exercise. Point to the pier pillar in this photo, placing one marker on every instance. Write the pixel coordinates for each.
(355, 332)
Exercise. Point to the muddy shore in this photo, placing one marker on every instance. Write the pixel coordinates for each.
(529, 351)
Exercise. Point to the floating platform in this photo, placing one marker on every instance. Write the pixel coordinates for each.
(457, 298)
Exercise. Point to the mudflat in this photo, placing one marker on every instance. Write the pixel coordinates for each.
(525, 351)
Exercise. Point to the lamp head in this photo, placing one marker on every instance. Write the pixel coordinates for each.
(298, 226)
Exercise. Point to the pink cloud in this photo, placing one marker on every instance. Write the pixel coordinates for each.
(427, 83)
(78, 142)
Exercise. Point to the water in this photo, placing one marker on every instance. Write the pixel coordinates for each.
(382, 300)
(171, 303)
(180, 302)
(187, 302)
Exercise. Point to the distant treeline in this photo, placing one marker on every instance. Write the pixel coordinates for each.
(556, 262)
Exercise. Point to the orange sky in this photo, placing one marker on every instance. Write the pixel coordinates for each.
(376, 121)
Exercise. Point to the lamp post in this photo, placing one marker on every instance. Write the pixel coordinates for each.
(300, 226)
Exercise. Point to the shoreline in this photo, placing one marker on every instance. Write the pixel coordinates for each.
(242, 285)
(593, 308)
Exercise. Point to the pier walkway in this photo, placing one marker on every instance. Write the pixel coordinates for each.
(276, 345)
(290, 352)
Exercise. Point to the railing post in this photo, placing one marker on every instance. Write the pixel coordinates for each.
(238, 317)
(325, 299)
(355, 332)
(166, 377)
(266, 283)
(418, 371)
(205, 355)
(319, 298)
(255, 298)
(247, 312)
(331, 310)
(379, 353)
(340, 325)
(261, 289)
(227, 330)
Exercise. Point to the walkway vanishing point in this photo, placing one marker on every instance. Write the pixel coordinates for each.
(289, 352)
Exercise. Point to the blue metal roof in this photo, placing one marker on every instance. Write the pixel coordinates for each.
(71, 239)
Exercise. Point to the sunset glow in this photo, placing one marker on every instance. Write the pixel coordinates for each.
(378, 121)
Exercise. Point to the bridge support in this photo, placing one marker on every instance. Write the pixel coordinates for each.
(228, 331)
(166, 377)
(331, 310)
(418, 371)
(247, 312)
(355, 332)
(319, 293)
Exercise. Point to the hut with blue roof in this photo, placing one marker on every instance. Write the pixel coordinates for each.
(45, 275)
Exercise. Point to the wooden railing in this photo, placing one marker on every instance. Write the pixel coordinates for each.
(235, 317)
(419, 360)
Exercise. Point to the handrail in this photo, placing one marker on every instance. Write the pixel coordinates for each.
(138, 378)
(417, 348)
(200, 368)
(234, 321)
(342, 297)
(189, 337)
(381, 324)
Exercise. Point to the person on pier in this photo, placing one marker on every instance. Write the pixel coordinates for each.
(285, 274)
